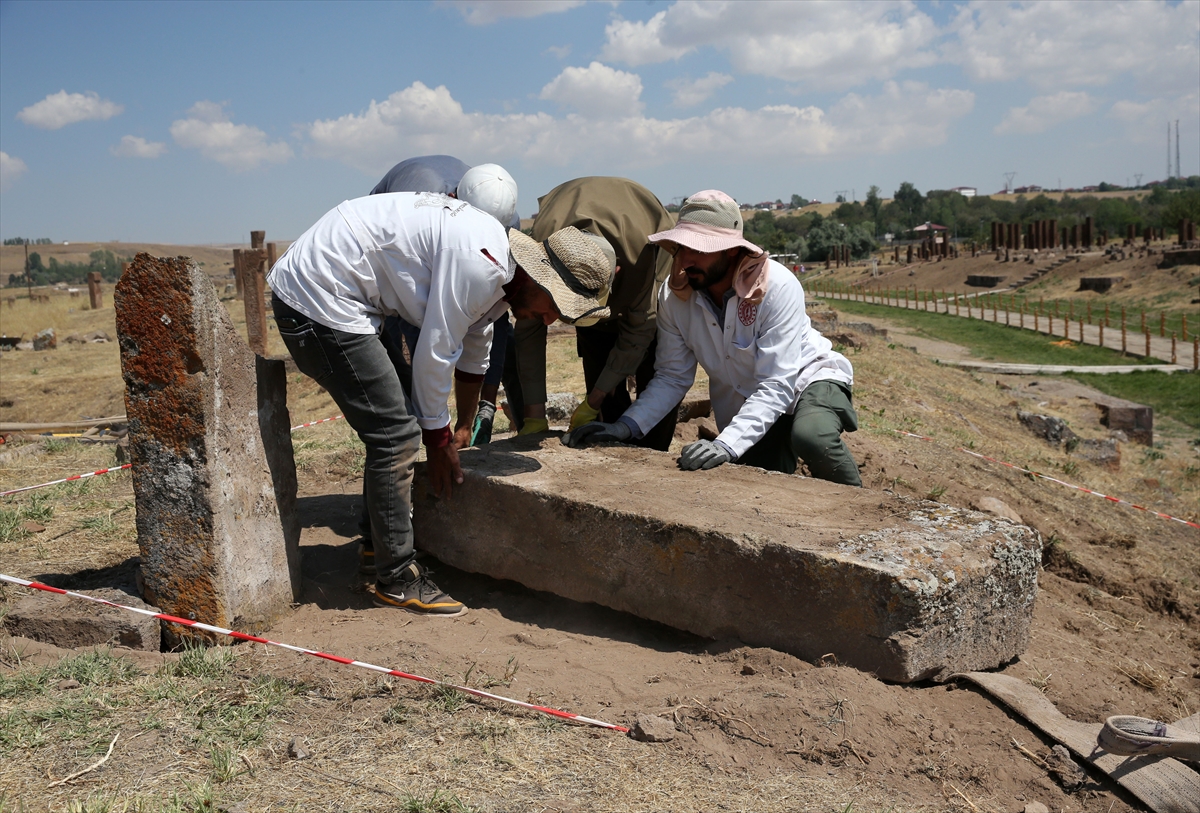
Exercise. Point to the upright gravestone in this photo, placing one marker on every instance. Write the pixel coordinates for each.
(213, 472)
(95, 294)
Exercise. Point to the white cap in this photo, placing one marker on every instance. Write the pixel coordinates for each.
(489, 187)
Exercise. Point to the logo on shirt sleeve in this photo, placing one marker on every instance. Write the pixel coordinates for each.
(747, 313)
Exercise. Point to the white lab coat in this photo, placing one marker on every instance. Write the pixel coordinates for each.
(758, 365)
(418, 255)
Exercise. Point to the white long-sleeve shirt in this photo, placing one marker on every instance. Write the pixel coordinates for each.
(436, 262)
(758, 364)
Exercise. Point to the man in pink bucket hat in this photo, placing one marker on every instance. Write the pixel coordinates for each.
(779, 391)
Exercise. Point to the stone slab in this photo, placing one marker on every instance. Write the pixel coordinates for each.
(906, 589)
(70, 623)
(213, 473)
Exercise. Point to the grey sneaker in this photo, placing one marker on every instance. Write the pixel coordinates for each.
(416, 593)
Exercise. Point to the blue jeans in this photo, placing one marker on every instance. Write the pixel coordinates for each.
(362, 374)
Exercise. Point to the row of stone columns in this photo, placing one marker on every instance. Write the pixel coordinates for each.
(250, 269)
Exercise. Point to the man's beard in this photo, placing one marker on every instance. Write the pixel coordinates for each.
(712, 276)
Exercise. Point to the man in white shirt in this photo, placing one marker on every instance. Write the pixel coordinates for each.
(779, 391)
(450, 270)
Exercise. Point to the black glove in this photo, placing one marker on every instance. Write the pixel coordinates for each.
(597, 432)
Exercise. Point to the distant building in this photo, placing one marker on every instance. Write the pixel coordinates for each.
(925, 227)
(965, 191)
(1023, 190)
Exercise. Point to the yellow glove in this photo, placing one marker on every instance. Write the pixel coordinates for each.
(583, 414)
(534, 425)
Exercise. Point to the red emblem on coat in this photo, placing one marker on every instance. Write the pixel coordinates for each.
(747, 312)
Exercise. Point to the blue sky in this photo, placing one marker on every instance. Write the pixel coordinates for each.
(187, 122)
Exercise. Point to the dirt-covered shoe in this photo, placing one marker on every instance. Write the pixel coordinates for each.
(416, 593)
(366, 557)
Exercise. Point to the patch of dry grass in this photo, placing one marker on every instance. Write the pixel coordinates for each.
(213, 726)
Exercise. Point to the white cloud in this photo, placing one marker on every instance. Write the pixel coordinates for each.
(905, 116)
(237, 146)
(833, 44)
(62, 108)
(560, 51)
(420, 120)
(690, 92)
(1056, 44)
(1143, 121)
(635, 43)
(10, 169)
(137, 147)
(1044, 112)
(486, 12)
(597, 91)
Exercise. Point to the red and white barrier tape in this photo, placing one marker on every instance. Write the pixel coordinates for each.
(128, 465)
(314, 423)
(65, 480)
(1056, 480)
(241, 636)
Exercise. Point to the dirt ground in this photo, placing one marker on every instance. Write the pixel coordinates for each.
(1116, 630)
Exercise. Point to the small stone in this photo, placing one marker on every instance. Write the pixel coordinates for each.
(45, 340)
(296, 749)
(936, 735)
(998, 508)
(560, 406)
(1036, 807)
(651, 728)
(1064, 769)
(33, 527)
(66, 684)
(747, 669)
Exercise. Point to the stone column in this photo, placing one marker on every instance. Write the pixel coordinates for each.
(254, 291)
(213, 474)
(237, 273)
(95, 294)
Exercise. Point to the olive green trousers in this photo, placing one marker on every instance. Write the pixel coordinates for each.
(813, 433)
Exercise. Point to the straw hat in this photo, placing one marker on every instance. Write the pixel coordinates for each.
(573, 267)
(709, 221)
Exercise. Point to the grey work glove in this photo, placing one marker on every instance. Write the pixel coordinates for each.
(597, 432)
(703, 454)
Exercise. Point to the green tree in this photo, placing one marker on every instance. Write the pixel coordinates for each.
(873, 204)
(34, 264)
(829, 233)
(799, 202)
(911, 203)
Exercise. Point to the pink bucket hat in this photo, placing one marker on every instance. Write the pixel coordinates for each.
(709, 221)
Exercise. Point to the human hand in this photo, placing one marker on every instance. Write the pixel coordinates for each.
(461, 438)
(534, 425)
(444, 469)
(584, 413)
(597, 432)
(703, 454)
